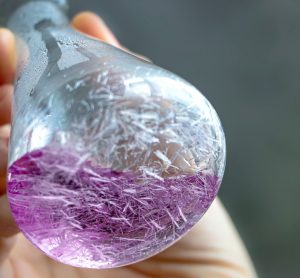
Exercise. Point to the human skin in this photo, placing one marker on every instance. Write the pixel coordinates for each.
(211, 249)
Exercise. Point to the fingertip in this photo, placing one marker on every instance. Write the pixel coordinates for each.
(8, 56)
(91, 24)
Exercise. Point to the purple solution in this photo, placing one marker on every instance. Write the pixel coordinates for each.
(83, 214)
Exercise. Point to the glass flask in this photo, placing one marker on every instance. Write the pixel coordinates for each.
(112, 159)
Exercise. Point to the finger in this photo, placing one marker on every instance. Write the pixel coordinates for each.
(7, 56)
(6, 245)
(6, 92)
(146, 59)
(5, 132)
(8, 226)
(3, 165)
(2, 185)
(3, 158)
(212, 249)
(91, 24)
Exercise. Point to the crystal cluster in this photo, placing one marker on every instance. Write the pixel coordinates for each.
(98, 217)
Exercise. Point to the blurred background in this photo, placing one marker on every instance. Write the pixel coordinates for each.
(245, 57)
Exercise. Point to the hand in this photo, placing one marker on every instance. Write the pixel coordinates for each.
(211, 249)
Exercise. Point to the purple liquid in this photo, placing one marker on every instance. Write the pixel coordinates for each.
(89, 216)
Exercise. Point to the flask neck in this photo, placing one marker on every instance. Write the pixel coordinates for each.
(9, 7)
(34, 16)
(37, 49)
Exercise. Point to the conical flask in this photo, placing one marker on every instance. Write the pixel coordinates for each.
(112, 159)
